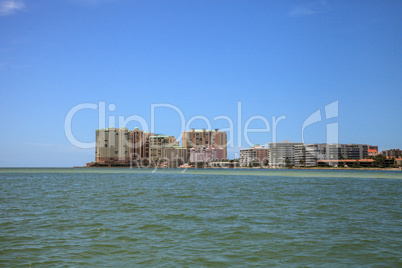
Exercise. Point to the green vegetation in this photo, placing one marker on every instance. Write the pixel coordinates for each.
(288, 164)
(356, 164)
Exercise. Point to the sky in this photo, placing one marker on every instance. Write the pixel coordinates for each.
(252, 64)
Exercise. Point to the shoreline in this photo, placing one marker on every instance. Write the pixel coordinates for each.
(255, 168)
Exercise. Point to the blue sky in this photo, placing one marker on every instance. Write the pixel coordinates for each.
(278, 58)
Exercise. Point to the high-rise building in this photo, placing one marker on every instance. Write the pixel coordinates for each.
(258, 154)
(157, 143)
(139, 144)
(281, 154)
(114, 145)
(205, 138)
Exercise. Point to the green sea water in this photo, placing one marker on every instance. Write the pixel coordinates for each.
(213, 217)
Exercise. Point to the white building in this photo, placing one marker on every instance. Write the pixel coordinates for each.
(309, 154)
(279, 153)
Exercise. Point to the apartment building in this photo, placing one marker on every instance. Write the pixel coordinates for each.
(206, 154)
(139, 141)
(392, 153)
(157, 143)
(257, 153)
(114, 145)
(279, 153)
(175, 155)
(310, 154)
(347, 151)
(205, 138)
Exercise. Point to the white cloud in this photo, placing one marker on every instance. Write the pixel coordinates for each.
(10, 7)
(309, 9)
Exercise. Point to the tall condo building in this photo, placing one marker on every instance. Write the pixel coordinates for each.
(139, 141)
(120, 145)
(157, 144)
(279, 153)
(204, 139)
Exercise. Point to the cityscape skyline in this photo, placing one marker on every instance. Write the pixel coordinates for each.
(277, 59)
(120, 147)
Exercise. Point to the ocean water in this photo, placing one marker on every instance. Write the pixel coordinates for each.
(220, 217)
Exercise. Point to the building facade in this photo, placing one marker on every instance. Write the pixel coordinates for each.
(114, 145)
(282, 153)
(139, 141)
(347, 151)
(206, 154)
(157, 144)
(372, 150)
(311, 154)
(258, 154)
(204, 139)
(175, 155)
(392, 153)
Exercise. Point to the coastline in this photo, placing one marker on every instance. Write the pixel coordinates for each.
(253, 168)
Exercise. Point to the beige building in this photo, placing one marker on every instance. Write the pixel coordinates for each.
(175, 155)
(157, 143)
(392, 153)
(114, 145)
(206, 154)
(139, 144)
(257, 153)
(204, 139)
